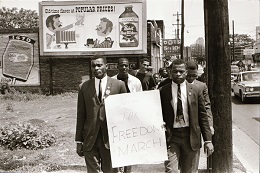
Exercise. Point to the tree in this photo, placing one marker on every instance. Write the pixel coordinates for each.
(198, 52)
(242, 40)
(14, 18)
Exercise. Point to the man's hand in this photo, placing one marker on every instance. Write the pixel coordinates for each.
(79, 149)
(163, 126)
(208, 148)
(212, 130)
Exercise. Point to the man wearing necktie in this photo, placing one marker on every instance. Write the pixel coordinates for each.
(91, 128)
(185, 118)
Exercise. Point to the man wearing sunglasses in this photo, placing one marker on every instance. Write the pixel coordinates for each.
(192, 75)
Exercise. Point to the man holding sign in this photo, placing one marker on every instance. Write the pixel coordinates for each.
(186, 119)
(132, 84)
(91, 129)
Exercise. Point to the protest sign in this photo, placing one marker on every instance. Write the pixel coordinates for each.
(135, 130)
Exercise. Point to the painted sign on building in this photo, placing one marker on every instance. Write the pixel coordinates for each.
(88, 27)
(20, 64)
(171, 46)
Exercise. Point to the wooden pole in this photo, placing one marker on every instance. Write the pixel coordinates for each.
(219, 85)
(182, 28)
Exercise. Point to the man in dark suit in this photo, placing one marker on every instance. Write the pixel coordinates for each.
(91, 129)
(185, 118)
(192, 75)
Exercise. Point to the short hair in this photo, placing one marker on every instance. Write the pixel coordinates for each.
(98, 57)
(192, 65)
(178, 62)
(145, 59)
(122, 59)
(109, 24)
(162, 69)
(50, 20)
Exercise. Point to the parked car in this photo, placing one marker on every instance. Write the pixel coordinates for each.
(246, 85)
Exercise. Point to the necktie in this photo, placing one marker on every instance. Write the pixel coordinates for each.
(179, 117)
(100, 91)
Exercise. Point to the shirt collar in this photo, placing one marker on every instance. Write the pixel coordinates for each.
(102, 80)
(182, 84)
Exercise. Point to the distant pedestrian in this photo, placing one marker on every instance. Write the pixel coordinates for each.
(157, 79)
(168, 78)
(163, 73)
(145, 76)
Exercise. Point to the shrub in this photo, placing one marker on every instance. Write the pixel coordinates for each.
(19, 96)
(25, 135)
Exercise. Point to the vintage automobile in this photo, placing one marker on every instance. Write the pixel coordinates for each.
(246, 85)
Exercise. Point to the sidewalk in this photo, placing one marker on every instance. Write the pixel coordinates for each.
(245, 158)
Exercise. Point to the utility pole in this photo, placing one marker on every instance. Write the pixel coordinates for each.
(219, 76)
(182, 28)
(233, 38)
(178, 23)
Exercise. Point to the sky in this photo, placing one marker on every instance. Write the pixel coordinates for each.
(245, 14)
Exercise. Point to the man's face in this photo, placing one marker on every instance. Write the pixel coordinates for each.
(145, 65)
(178, 73)
(191, 75)
(156, 78)
(56, 23)
(123, 67)
(99, 68)
(164, 73)
(101, 28)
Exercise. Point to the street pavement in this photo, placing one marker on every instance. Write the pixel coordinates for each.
(245, 150)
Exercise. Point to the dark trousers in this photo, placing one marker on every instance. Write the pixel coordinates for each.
(180, 154)
(98, 158)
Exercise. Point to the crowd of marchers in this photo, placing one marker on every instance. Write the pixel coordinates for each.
(185, 107)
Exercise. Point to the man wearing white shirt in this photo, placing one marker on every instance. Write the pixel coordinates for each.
(185, 118)
(91, 128)
(132, 83)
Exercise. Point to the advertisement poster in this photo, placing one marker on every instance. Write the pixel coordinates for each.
(82, 27)
(20, 65)
(135, 131)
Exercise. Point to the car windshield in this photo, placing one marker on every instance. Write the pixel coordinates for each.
(251, 76)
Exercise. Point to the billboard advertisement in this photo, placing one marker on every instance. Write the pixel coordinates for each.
(88, 27)
(20, 60)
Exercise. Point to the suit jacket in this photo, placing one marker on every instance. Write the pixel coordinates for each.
(204, 89)
(90, 109)
(198, 118)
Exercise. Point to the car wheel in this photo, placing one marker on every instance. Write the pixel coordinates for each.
(243, 98)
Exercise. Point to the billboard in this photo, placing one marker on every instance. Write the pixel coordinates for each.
(90, 27)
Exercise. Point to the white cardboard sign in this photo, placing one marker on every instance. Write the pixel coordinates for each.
(135, 130)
